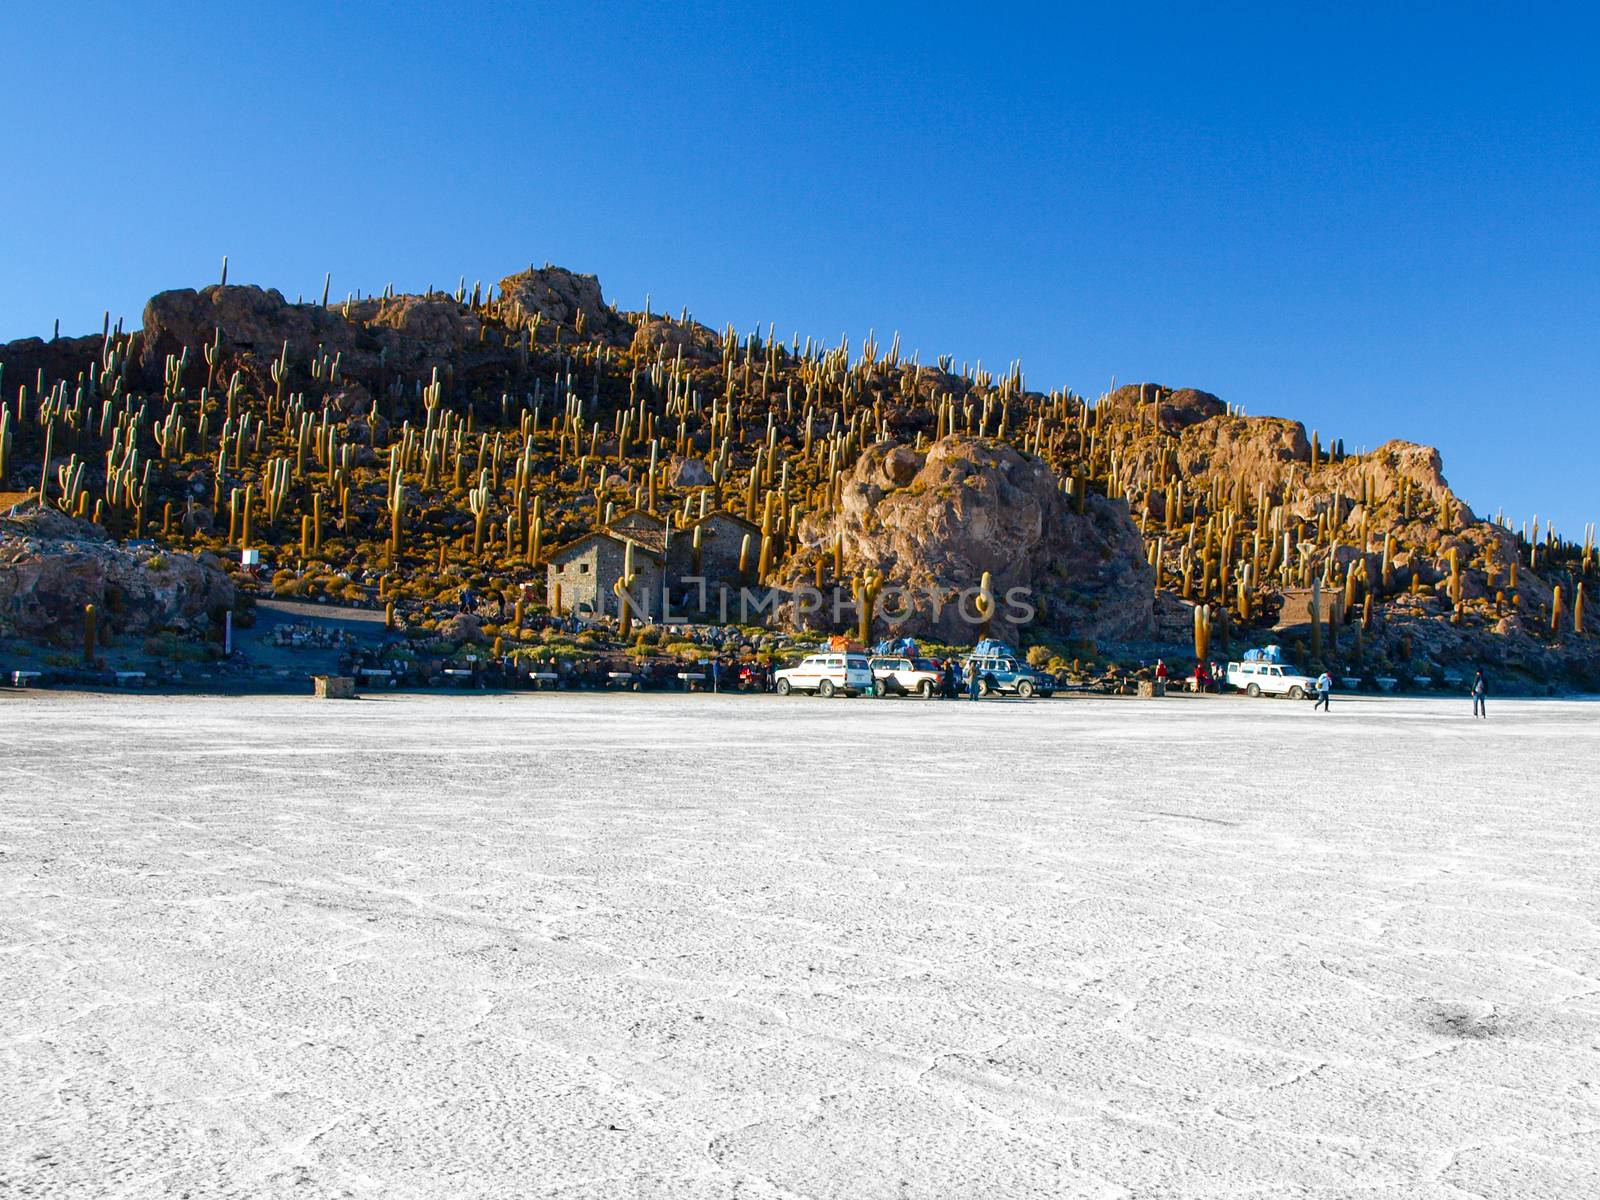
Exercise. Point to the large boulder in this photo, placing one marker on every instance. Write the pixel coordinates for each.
(251, 320)
(932, 523)
(662, 335)
(51, 566)
(1174, 410)
(560, 295)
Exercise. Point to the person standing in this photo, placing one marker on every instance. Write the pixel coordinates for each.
(1480, 695)
(1324, 692)
(972, 680)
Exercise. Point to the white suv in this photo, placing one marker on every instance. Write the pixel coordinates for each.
(1270, 679)
(827, 675)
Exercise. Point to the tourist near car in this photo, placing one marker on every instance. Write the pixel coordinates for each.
(900, 676)
(1270, 679)
(1004, 674)
(827, 675)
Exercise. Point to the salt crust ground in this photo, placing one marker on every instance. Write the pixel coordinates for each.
(636, 946)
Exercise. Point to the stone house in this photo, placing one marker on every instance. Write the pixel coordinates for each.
(587, 571)
(721, 534)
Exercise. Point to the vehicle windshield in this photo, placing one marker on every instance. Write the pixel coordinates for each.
(857, 664)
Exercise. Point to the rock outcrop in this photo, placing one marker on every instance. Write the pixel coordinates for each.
(564, 296)
(52, 565)
(409, 334)
(932, 523)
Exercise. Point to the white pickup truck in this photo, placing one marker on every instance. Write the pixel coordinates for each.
(1270, 679)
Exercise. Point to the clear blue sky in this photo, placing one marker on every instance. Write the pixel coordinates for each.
(1385, 223)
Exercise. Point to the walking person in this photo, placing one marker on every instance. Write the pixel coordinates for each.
(1480, 695)
(972, 681)
(1324, 692)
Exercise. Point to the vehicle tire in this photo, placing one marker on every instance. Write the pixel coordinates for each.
(1253, 690)
(1025, 688)
(783, 687)
(1297, 692)
(986, 686)
(825, 689)
(925, 689)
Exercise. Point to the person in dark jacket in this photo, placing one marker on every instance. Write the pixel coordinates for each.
(1480, 695)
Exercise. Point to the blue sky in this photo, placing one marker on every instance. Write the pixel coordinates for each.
(1384, 222)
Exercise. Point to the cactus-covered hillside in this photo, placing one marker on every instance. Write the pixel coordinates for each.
(391, 450)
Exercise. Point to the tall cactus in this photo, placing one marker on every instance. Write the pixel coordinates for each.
(1202, 631)
(1316, 617)
(985, 604)
(865, 589)
(623, 590)
(478, 503)
(397, 509)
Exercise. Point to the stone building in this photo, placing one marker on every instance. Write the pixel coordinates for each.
(587, 571)
(663, 560)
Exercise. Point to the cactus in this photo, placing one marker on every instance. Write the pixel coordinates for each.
(397, 508)
(1202, 631)
(1556, 610)
(478, 503)
(1316, 617)
(1577, 609)
(90, 634)
(985, 604)
(621, 587)
(865, 589)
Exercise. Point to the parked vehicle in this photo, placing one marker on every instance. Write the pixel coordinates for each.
(827, 675)
(899, 676)
(1004, 674)
(1270, 679)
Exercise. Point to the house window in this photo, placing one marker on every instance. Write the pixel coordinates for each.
(583, 568)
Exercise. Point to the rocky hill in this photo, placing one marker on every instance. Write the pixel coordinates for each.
(393, 450)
